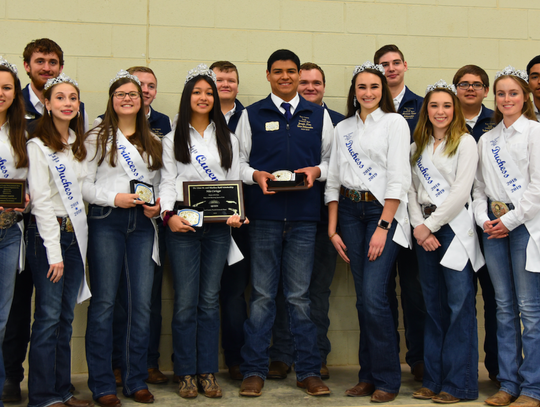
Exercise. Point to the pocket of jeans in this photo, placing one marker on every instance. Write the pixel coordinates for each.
(99, 212)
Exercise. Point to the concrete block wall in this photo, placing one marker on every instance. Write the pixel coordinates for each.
(172, 36)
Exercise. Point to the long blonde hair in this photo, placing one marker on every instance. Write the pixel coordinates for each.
(424, 128)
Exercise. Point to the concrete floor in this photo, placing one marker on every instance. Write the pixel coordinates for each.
(282, 392)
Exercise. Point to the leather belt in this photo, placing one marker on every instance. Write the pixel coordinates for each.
(357, 196)
(63, 221)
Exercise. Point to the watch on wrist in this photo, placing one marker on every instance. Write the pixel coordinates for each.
(383, 224)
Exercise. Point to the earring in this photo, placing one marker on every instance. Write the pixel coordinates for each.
(354, 101)
(79, 113)
(49, 112)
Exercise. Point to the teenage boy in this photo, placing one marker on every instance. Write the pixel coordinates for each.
(312, 86)
(235, 278)
(472, 85)
(533, 70)
(407, 104)
(282, 132)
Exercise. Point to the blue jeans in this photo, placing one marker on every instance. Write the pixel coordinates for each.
(324, 267)
(119, 255)
(197, 260)
(378, 353)
(120, 314)
(451, 338)
(517, 292)
(286, 250)
(234, 281)
(49, 377)
(10, 241)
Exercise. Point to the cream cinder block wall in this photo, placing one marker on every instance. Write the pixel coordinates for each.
(171, 36)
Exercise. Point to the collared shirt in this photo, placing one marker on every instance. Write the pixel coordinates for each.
(47, 202)
(230, 113)
(399, 98)
(18, 173)
(384, 137)
(174, 173)
(458, 170)
(104, 182)
(536, 112)
(472, 122)
(243, 132)
(40, 107)
(523, 145)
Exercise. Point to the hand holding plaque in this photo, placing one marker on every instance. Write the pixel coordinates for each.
(218, 199)
(144, 190)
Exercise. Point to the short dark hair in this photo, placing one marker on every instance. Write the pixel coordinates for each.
(308, 66)
(282, 55)
(144, 69)
(45, 46)
(385, 50)
(226, 66)
(533, 62)
(471, 70)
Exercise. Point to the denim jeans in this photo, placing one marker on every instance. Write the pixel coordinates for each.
(119, 255)
(234, 281)
(517, 292)
(451, 338)
(324, 267)
(281, 249)
(412, 303)
(49, 360)
(197, 260)
(10, 241)
(120, 314)
(378, 353)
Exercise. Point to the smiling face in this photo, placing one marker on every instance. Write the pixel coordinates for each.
(394, 69)
(43, 67)
(440, 111)
(227, 85)
(534, 83)
(368, 91)
(311, 85)
(509, 98)
(7, 93)
(471, 97)
(64, 102)
(148, 86)
(202, 98)
(126, 106)
(283, 78)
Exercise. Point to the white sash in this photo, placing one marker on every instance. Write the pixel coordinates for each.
(209, 168)
(465, 244)
(135, 168)
(68, 189)
(374, 177)
(515, 184)
(8, 171)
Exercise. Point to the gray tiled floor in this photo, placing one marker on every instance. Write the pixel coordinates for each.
(283, 392)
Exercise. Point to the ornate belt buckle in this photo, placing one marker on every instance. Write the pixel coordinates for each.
(499, 208)
(354, 195)
(7, 219)
(68, 227)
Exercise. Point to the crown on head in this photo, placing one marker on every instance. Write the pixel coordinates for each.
(9, 66)
(122, 73)
(441, 84)
(200, 70)
(510, 70)
(62, 78)
(368, 65)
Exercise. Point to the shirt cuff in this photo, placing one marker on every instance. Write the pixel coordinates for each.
(432, 225)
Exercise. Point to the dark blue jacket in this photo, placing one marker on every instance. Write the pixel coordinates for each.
(335, 116)
(409, 108)
(159, 123)
(484, 123)
(295, 144)
(32, 115)
(233, 121)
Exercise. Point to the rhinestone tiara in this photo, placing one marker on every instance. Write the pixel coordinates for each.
(510, 70)
(441, 84)
(9, 66)
(200, 70)
(122, 73)
(368, 65)
(62, 78)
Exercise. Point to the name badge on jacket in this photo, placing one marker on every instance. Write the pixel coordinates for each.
(271, 126)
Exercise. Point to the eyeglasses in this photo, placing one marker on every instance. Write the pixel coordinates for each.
(122, 95)
(475, 85)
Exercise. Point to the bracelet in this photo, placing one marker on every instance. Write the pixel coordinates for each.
(167, 216)
(332, 235)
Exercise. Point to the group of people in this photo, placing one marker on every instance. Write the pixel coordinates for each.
(432, 211)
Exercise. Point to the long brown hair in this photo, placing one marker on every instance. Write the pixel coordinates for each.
(527, 110)
(386, 104)
(46, 130)
(17, 123)
(142, 138)
(424, 128)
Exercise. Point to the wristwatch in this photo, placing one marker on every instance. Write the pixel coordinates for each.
(383, 224)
